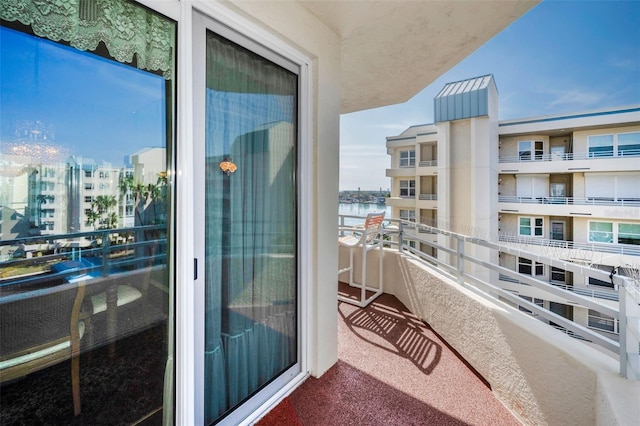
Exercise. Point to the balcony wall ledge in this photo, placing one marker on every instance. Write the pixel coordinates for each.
(541, 375)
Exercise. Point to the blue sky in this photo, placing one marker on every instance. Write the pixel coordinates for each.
(560, 57)
(98, 108)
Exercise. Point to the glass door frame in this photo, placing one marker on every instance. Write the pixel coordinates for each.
(247, 35)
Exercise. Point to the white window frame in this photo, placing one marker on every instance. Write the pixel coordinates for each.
(190, 385)
(537, 269)
(410, 158)
(617, 142)
(615, 231)
(532, 226)
(534, 154)
(599, 317)
(406, 184)
(408, 215)
(615, 145)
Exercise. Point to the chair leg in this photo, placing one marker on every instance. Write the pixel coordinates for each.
(363, 278)
(351, 267)
(75, 382)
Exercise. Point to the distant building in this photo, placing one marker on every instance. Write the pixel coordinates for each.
(563, 186)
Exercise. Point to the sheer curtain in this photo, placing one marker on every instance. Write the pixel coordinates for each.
(250, 217)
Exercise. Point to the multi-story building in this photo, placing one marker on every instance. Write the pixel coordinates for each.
(562, 186)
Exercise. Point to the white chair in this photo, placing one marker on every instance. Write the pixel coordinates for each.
(367, 237)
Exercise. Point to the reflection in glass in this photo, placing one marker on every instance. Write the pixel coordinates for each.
(250, 220)
(84, 196)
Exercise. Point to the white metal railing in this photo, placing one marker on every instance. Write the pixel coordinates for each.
(633, 202)
(625, 249)
(429, 163)
(456, 263)
(570, 156)
(431, 197)
(600, 294)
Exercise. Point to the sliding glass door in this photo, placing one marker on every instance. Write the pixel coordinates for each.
(247, 149)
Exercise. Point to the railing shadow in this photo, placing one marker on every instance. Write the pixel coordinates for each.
(388, 327)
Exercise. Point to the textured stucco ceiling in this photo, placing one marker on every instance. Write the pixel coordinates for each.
(393, 49)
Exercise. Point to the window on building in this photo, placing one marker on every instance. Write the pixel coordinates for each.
(558, 275)
(104, 175)
(528, 267)
(88, 173)
(628, 144)
(601, 232)
(530, 150)
(409, 215)
(408, 188)
(629, 233)
(536, 301)
(88, 186)
(408, 158)
(600, 283)
(600, 146)
(602, 322)
(531, 226)
(88, 199)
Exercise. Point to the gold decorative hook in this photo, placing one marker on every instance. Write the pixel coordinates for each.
(227, 166)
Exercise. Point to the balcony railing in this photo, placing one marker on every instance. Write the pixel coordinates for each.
(624, 249)
(457, 264)
(429, 163)
(632, 202)
(431, 197)
(599, 294)
(569, 156)
(108, 251)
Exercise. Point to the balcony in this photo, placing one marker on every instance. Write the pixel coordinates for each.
(568, 206)
(558, 247)
(569, 162)
(392, 369)
(527, 363)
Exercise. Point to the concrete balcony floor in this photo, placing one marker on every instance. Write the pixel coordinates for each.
(394, 370)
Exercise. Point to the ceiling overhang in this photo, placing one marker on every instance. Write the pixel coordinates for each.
(393, 49)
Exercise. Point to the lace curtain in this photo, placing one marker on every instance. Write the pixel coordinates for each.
(125, 28)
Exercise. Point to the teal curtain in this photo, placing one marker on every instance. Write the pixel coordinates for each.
(250, 225)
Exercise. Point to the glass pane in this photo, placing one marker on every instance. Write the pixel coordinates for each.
(601, 232)
(524, 150)
(629, 144)
(84, 216)
(250, 224)
(629, 233)
(601, 146)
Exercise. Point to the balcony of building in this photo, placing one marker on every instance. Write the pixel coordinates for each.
(428, 164)
(567, 374)
(392, 369)
(557, 154)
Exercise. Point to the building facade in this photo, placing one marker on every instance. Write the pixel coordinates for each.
(564, 186)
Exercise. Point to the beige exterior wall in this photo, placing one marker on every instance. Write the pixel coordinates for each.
(581, 137)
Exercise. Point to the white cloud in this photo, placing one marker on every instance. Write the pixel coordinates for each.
(578, 98)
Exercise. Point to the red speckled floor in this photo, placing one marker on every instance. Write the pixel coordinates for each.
(394, 370)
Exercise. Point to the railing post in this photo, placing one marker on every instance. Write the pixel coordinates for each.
(105, 253)
(622, 329)
(460, 254)
(400, 235)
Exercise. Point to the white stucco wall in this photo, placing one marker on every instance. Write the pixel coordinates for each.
(543, 376)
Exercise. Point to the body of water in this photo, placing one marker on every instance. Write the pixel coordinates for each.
(357, 209)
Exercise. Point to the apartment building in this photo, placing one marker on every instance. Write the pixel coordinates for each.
(561, 186)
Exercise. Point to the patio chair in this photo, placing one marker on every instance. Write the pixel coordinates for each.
(40, 328)
(365, 237)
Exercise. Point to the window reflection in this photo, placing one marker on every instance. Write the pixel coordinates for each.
(84, 289)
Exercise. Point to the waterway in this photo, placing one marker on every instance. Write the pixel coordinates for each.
(357, 209)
